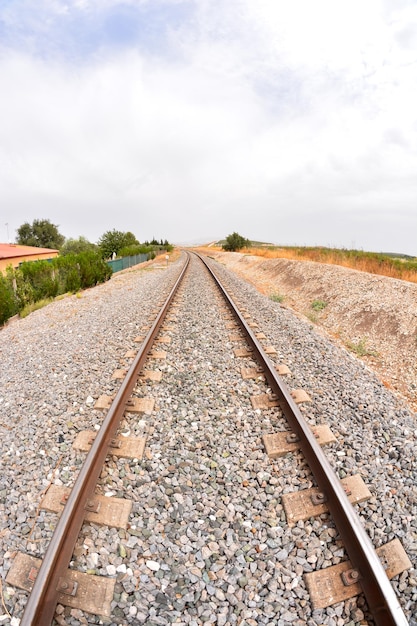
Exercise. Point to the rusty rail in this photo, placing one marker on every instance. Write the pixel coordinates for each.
(380, 596)
(42, 601)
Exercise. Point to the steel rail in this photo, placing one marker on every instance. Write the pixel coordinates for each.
(42, 601)
(380, 596)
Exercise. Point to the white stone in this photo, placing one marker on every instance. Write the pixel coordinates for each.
(92, 560)
(206, 552)
(153, 565)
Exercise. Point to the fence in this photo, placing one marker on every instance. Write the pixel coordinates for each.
(127, 261)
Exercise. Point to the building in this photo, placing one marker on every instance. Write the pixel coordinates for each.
(13, 254)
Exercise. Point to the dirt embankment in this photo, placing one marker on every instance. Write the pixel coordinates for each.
(373, 316)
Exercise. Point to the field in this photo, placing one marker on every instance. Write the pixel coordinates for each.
(385, 264)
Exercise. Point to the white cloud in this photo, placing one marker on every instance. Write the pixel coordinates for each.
(280, 120)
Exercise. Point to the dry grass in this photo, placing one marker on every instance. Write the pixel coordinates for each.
(370, 262)
(34, 306)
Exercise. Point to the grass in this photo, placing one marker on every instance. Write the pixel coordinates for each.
(360, 348)
(312, 317)
(401, 266)
(276, 297)
(34, 306)
(318, 305)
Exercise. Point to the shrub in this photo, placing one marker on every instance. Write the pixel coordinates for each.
(23, 290)
(134, 250)
(93, 269)
(8, 305)
(40, 281)
(73, 280)
(235, 242)
(318, 305)
(68, 273)
(42, 277)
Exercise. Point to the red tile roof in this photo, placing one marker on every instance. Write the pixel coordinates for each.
(12, 250)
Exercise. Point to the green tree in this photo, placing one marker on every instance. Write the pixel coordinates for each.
(75, 246)
(130, 239)
(235, 242)
(112, 241)
(41, 234)
(159, 244)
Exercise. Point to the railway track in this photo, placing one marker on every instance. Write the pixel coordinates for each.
(51, 585)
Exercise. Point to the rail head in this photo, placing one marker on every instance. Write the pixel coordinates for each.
(42, 601)
(379, 593)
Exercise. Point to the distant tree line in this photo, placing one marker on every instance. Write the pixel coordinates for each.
(112, 243)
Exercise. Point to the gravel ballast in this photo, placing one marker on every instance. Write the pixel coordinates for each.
(374, 316)
(208, 541)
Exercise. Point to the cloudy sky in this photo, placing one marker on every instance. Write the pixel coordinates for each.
(292, 122)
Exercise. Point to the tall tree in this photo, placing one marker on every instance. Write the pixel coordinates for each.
(112, 241)
(130, 240)
(41, 234)
(75, 246)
